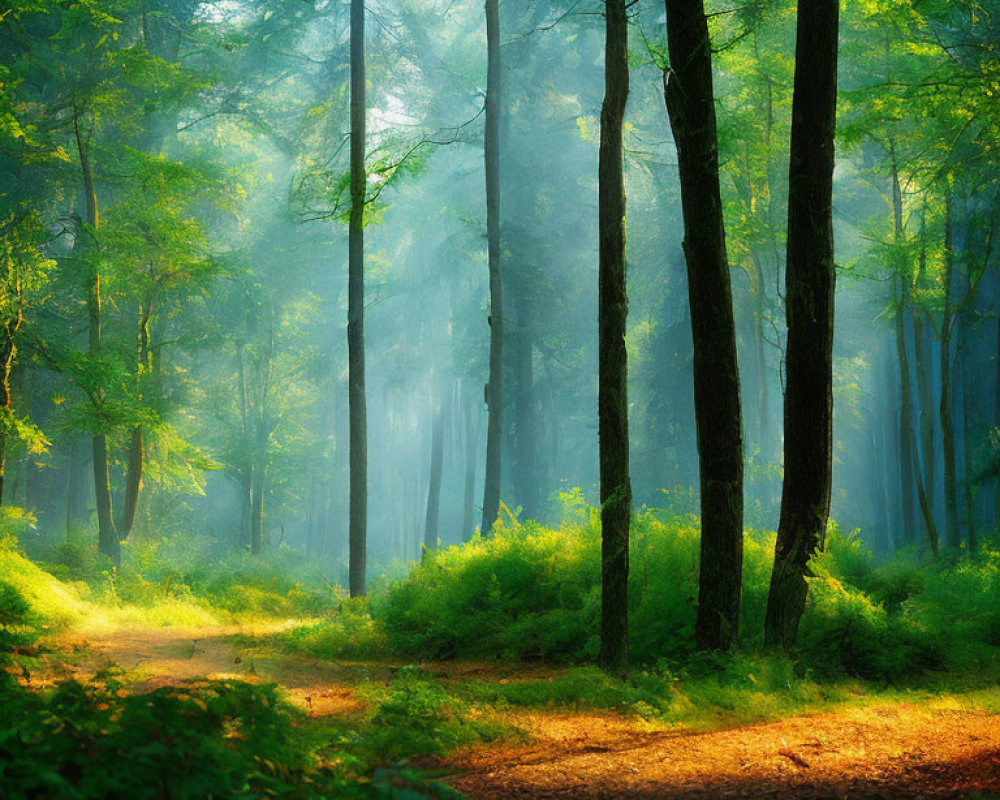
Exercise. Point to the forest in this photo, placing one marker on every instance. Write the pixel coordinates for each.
(535, 399)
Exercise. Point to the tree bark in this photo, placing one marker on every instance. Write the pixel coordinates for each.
(494, 389)
(136, 450)
(471, 441)
(924, 372)
(107, 536)
(357, 410)
(257, 511)
(691, 107)
(616, 489)
(526, 444)
(809, 300)
(952, 536)
(434, 486)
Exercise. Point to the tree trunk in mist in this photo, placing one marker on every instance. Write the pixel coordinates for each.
(525, 471)
(257, 511)
(996, 418)
(909, 464)
(760, 361)
(494, 389)
(616, 489)
(471, 440)
(967, 496)
(136, 453)
(952, 536)
(691, 108)
(107, 536)
(924, 371)
(7, 355)
(434, 487)
(809, 297)
(355, 313)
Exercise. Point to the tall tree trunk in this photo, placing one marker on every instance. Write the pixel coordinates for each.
(494, 389)
(107, 536)
(952, 536)
(357, 410)
(909, 465)
(809, 295)
(967, 493)
(136, 450)
(526, 444)
(434, 486)
(924, 373)
(616, 488)
(257, 511)
(471, 441)
(691, 106)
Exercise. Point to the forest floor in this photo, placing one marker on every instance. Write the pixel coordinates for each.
(880, 749)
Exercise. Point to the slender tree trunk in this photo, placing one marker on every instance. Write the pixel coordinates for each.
(107, 537)
(691, 106)
(909, 465)
(355, 313)
(967, 494)
(434, 486)
(908, 443)
(494, 389)
(257, 511)
(136, 450)
(471, 441)
(996, 414)
(952, 536)
(924, 372)
(809, 295)
(616, 489)
(525, 473)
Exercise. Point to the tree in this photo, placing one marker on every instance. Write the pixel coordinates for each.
(809, 295)
(616, 488)
(355, 311)
(691, 107)
(494, 389)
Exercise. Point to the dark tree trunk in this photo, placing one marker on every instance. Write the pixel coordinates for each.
(691, 106)
(494, 389)
(434, 486)
(107, 536)
(136, 451)
(616, 489)
(952, 536)
(909, 466)
(924, 373)
(355, 313)
(809, 294)
(526, 444)
(257, 511)
(471, 441)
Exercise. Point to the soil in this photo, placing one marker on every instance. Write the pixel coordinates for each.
(891, 750)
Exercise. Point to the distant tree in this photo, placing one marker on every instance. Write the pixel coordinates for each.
(355, 312)
(494, 389)
(691, 106)
(809, 293)
(434, 485)
(616, 488)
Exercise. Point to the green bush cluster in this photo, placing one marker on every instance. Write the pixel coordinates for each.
(223, 739)
(530, 592)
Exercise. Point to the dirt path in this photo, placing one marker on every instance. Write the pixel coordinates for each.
(890, 751)
(169, 656)
(883, 751)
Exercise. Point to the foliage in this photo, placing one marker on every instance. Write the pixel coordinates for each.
(215, 739)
